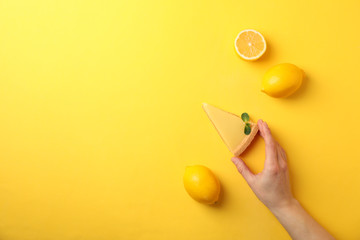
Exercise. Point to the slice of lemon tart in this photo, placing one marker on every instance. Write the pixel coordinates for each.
(236, 133)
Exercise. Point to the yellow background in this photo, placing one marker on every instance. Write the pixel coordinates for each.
(100, 112)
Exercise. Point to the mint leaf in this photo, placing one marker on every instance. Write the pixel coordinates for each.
(245, 117)
(247, 129)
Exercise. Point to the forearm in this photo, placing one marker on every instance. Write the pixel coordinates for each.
(299, 224)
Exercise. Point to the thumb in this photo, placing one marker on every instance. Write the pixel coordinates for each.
(243, 169)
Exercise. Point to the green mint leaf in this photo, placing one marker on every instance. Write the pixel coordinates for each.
(247, 129)
(245, 117)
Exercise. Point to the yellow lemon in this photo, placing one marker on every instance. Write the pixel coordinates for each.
(282, 80)
(201, 184)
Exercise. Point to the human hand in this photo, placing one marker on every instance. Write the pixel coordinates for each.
(272, 185)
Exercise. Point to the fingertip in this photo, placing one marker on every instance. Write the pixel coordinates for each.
(266, 126)
(261, 127)
(234, 159)
(237, 161)
(243, 169)
(266, 134)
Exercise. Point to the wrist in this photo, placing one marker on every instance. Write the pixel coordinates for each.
(285, 207)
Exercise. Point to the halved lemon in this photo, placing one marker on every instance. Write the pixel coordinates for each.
(250, 44)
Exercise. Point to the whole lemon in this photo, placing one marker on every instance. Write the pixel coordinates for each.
(282, 80)
(201, 184)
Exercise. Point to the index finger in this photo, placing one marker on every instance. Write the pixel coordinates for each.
(270, 144)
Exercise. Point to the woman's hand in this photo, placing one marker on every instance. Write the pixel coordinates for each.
(272, 185)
